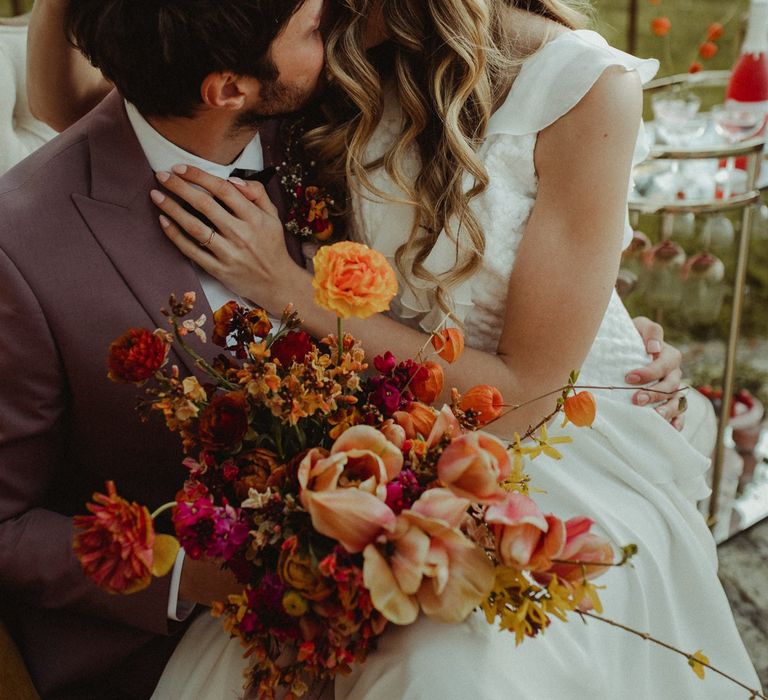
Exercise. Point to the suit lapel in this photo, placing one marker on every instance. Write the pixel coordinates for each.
(122, 218)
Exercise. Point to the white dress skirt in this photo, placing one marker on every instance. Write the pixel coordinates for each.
(632, 473)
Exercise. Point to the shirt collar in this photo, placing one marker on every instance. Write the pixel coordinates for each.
(162, 153)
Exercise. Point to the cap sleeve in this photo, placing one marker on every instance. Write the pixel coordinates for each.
(555, 79)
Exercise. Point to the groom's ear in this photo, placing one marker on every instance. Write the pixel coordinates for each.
(225, 90)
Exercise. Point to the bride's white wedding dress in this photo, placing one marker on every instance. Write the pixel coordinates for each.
(632, 473)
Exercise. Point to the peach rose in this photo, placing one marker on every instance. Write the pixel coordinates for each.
(473, 465)
(344, 491)
(353, 280)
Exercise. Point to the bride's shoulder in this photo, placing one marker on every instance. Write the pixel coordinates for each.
(557, 68)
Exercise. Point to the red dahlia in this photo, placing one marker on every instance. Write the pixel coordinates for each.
(136, 355)
(115, 544)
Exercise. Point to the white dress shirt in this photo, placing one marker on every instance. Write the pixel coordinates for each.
(162, 155)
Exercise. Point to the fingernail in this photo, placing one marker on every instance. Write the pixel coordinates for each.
(162, 175)
(654, 346)
(180, 169)
(157, 196)
(237, 181)
(164, 221)
(633, 378)
(643, 399)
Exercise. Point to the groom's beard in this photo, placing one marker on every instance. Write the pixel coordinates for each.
(277, 100)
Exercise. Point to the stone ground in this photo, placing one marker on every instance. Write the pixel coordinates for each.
(744, 574)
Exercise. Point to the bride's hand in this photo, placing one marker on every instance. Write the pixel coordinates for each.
(662, 376)
(245, 249)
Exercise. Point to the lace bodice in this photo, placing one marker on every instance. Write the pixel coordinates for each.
(549, 84)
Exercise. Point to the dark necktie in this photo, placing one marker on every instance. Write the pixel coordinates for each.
(262, 176)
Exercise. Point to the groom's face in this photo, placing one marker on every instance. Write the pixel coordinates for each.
(297, 56)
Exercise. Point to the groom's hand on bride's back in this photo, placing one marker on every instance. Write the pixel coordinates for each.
(661, 377)
(204, 581)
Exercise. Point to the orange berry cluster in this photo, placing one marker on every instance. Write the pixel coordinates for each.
(661, 25)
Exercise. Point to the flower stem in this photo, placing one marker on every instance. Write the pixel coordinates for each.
(162, 509)
(201, 361)
(648, 638)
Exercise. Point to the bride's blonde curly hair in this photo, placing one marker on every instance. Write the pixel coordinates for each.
(449, 63)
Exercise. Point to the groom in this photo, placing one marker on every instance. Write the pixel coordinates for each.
(82, 259)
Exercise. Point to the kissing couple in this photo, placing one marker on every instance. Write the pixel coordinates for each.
(486, 146)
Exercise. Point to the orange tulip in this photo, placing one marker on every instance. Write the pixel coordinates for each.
(581, 409)
(485, 401)
(660, 26)
(428, 382)
(707, 50)
(449, 344)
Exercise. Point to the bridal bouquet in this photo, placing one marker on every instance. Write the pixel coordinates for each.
(339, 495)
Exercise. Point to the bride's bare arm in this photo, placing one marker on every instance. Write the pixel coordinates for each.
(564, 274)
(62, 86)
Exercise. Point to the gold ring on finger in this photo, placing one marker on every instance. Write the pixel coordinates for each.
(682, 404)
(208, 241)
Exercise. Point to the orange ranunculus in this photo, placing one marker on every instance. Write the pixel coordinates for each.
(117, 546)
(485, 401)
(224, 421)
(136, 355)
(351, 279)
(581, 408)
(661, 25)
(428, 382)
(714, 31)
(344, 491)
(449, 344)
(473, 466)
(707, 50)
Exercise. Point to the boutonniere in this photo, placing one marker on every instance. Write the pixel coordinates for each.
(312, 215)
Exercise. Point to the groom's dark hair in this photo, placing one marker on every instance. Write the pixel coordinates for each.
(157, 52)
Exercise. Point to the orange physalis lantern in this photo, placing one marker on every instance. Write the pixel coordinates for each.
(485, 401)
(660, 26)
(707, 50)
(581, 409)
(427, 383)
(449, 344)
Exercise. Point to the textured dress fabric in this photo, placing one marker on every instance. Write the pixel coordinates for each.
(632, 473)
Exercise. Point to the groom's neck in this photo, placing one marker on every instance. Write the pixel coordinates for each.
(207, 134)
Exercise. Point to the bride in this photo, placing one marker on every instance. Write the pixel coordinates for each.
(487, 150)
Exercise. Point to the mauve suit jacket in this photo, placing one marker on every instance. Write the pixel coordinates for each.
(82, 259)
